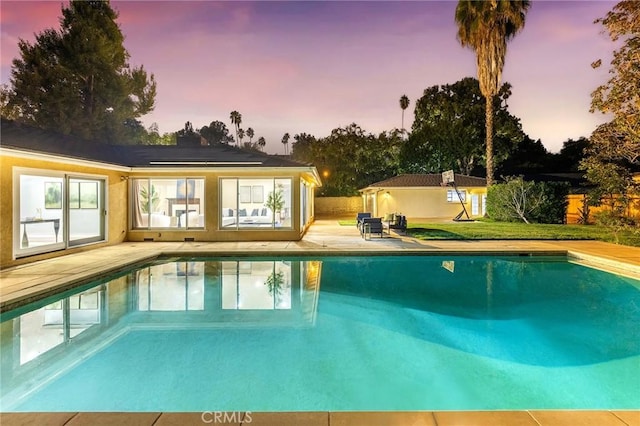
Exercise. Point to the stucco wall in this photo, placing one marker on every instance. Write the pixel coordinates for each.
(118, 222)
(116, 204)
(425, 202)
(338, 206)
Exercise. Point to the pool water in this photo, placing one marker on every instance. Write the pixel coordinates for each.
(330, 334)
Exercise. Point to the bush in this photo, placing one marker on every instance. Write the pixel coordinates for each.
(518, 200)
(553, 208)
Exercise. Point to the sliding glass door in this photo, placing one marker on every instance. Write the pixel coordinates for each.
(86, 210)
(55, 211)
(40, 225)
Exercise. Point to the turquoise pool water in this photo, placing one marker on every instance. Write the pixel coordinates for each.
(332, 333)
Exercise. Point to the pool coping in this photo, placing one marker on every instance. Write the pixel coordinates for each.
(326, 418)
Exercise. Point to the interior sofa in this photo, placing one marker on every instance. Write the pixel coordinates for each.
(255, 216)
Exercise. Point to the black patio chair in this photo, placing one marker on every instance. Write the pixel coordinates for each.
(359, 219)
(371, 225)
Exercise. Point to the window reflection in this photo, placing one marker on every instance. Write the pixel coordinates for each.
(256, 285)
(43, 329)
(174, 286)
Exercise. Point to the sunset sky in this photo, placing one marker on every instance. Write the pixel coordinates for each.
(314, 66)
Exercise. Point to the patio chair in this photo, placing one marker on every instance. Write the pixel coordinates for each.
(359, 219)
(371, 225)
(399, 223)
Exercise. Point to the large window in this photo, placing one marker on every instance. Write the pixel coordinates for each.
(255, 203)
(168, 203)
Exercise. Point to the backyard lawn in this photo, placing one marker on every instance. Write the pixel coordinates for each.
(488, 230)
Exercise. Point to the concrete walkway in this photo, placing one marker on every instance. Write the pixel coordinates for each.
(22, 284)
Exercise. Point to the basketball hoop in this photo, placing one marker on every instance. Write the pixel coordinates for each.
(447, 177)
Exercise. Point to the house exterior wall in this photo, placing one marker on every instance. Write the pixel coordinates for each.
(212, 230)
(118, 216)
(116, 189)
(425, 202)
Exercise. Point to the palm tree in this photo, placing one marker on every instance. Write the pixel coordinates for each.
(250, 133)
(261, 143)
(486, 27)
(285, 142)
(236, 119)
(240, 135)
(404, 104)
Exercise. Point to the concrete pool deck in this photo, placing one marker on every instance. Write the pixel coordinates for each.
(21, 284)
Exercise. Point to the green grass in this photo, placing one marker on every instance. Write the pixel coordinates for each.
(488, 230)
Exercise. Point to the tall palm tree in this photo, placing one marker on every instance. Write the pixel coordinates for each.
(486, 27)
(285, 142)
(236, 119)
(261, 143)
(404, 104)
(240, 135)
(250, 133)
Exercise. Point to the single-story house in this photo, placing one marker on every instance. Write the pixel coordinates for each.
(425, 196)
(60, 194)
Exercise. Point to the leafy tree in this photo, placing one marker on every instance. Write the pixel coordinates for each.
(236, 120)
(6, 111)
(485, 27)
(404, 104)
(448, 131)
(77, 80)
(153, 136)
(614, 152)
(349, 158)
(305, 148)
(187, 130)
(571, 154)
(285, 142)
(216, 133)
(527, 157)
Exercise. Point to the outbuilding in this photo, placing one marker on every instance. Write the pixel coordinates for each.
(425, 196)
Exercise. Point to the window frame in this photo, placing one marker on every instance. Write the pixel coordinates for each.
(452, 197)
(249, 181)
(171, 203)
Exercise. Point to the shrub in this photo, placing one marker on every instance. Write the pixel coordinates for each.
(518, 200)
(553, 207)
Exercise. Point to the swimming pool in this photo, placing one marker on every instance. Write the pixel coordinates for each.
(351, 333)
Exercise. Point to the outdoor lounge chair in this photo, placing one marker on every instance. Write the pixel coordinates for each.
(399, 222)
(371, 225)
(359, 219)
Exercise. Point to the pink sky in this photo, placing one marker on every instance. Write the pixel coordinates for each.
(314, 66)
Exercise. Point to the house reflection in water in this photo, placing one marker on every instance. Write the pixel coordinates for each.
(168, 295)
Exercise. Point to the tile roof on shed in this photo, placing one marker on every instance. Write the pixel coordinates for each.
(31, 139)
(427, 180)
